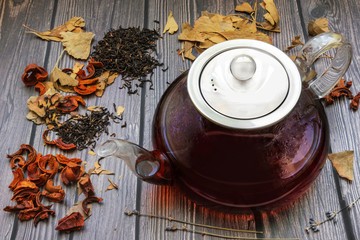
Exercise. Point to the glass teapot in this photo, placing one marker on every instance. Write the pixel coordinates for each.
(241, 128)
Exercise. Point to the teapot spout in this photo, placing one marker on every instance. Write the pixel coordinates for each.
(150, 166)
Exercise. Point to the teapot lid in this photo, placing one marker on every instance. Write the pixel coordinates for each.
(244, 84)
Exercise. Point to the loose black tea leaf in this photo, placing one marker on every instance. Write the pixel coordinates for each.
(128, 51)
(85, 130)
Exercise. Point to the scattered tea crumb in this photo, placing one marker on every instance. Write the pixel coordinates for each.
(92, 153)
(120, 110)
(111, 186)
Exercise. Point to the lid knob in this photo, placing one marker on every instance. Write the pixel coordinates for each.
(243, 67)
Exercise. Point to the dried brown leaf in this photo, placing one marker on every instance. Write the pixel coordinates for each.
(73, 25)
(171, 24)
(343, 162)
(111, 186)
(318, 26)
(244, 7)
(77, 44)
(270, 7)
(294, 43)
(247, 35)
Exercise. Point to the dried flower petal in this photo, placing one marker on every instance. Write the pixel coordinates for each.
(73, 222)
(33, 74)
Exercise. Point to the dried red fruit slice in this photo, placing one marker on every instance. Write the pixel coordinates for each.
(73, 222)
(33, 74)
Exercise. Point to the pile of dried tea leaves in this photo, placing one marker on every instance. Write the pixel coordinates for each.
(82, 131)
(212, 28)
(128, 52)
(27, 190)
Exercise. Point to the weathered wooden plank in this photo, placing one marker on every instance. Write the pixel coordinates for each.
(169, 201)
(16, 53)
(107, 219)
(275, 223)
(344, 124)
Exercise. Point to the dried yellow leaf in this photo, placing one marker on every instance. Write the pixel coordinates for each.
(92, 153)
(97, 165)
(32, 116)
(171, 24)
(270, 7)
(77, 44)
(343, 162)
(189, 34)
(120, 110)
(247, 35)
(318, 26)
(244, 7)
(63, 78)
(73, 25)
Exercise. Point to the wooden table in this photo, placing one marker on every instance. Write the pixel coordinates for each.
(18, 49)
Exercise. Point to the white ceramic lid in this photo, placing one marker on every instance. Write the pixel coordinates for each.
(244, 84)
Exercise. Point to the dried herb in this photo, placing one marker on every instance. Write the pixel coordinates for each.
(318, 26)
(330, 216)
(77, 44)
(138, 213)
(244, 7)
(75, 24)
(211, 29)
(83, 131)
(343, 162)
(341, 89)
(171, 24)
(127, 51)
(27, 193)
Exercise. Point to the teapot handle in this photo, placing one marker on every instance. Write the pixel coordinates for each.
(312, 50)
(150, 166)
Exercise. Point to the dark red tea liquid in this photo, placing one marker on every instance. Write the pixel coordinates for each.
(241, 168)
